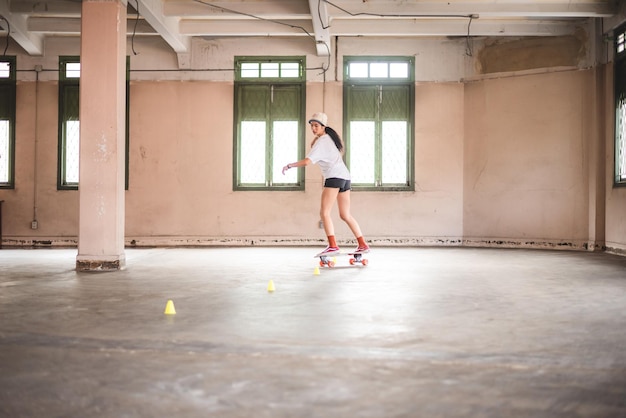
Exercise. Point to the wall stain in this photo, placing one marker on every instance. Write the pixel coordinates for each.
(500, 55)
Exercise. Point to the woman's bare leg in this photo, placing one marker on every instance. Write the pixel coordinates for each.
(329, 196)
(343, 201)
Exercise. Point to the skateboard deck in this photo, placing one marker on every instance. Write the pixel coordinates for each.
(327, 260)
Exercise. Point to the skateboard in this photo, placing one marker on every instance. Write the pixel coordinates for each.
(328, 260)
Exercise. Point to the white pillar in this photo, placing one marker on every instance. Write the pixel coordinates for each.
(102, 136)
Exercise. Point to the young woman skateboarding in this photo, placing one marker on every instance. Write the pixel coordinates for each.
(326, 151)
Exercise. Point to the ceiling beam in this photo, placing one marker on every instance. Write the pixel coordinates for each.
(292, 9)
(31, 43)
(512, 8)
(386, 27)
(269, 9)
(71, 26)
(321, 23)
(453, 27)
(167, 27)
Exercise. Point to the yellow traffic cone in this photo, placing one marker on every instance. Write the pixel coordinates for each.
(270, 286)
(316, 271)
(169, 308)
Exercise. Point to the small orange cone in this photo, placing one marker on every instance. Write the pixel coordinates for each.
(169, 308)
(270, 286)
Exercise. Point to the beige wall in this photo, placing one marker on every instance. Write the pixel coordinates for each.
(525, 163)
(503, 159)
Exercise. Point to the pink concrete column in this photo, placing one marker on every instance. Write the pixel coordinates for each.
(102, 136)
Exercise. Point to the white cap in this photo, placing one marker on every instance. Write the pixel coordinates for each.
(320, 118)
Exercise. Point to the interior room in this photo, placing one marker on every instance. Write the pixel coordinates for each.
(161, 211)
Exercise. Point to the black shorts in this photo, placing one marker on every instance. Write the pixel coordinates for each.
(336, 183)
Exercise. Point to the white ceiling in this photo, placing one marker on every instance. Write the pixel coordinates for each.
(178, 21)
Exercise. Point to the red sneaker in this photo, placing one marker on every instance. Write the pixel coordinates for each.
(330, 251)
(362, 249)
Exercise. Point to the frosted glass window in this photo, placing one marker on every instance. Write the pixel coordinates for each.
(399, 70)
(394, 150)
(379, 70)
(4, 151)
(253, 152)
(72, 149)
(270, 70)
(249, 70)
(5, 70)
(362, 151)
(72, 70)
(359, 70)
(285, 150)
(290, 70)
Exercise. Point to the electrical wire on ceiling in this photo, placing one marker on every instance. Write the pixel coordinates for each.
(132, 38)
(468, 46)
(471, 17)
(278, 22)
(6, 46)
(327, 25)
(441, 16)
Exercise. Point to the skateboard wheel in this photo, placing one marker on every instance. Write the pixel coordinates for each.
(364, 262)
(322, 264)
(352, 261)
(331, 264)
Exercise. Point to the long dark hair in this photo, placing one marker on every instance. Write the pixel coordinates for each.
(335, 137)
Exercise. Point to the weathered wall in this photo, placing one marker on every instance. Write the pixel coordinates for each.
(525, 177)
(506, 55)
(499, 160)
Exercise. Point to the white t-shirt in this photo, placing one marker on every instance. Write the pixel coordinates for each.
(327, 156)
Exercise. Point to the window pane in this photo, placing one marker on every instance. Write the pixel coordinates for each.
(269, 69)
(72, 70)
(285, 150)
(399, 70)
(394, 141)
(379, 70)
(620, 141)
(5, 70)
(362, 152)
(72, 148)
(253, 152)
(249, 69)
(4, 151)
(290, 69)
(358, 70)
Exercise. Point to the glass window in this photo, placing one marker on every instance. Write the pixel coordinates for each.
(269, 130)
(7, 121)
(69, 123)
(620, 107)
(378, 120)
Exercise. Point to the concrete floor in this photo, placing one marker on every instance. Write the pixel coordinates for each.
(419, 332)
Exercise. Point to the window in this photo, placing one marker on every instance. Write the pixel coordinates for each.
(378, 120)
(269, 128)
(69, 122)
(7, 122)
(620, 106)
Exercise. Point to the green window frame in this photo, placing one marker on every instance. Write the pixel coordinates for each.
(269, 127)
(69, 123)
(7, 121)
(619, 72)
(379, 113)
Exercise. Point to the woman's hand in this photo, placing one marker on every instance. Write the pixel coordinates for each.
(285, 168)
